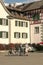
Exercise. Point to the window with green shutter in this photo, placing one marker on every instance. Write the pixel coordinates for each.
(21, 23)
(24, 35)
(16, 35)
(0, 21)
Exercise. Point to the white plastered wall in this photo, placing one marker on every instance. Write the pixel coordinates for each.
(3, 14)
(21, 30)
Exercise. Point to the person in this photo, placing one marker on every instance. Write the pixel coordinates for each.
(26, 49)
(10, 52)
(21, 49)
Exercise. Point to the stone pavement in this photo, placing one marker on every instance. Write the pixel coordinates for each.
(31, 59)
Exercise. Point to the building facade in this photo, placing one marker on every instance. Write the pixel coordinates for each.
(34, 12)
(21, 24)
(19, 31)
(13, 28)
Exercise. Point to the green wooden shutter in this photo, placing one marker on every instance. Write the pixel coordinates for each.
(15, 23)
(26, 35)
(26, 24)
(0, 34)
(19, 35)
(6, 34)
(14, 34)
(7, 22)
(0, 21)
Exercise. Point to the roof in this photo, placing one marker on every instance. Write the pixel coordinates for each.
(33, 5)
(30, 6)
(11, 15)
(13, 8)
(17, 12)
(21, 6)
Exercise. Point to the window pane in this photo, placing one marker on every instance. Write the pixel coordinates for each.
(36, 30)
(4, 34)
(24, 24)
(4, 22)
(21, 23)
(24, 35)
(16, 35)
(17, 23)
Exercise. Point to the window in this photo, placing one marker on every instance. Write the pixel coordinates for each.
(21, 23)
(16, 35)
(42, 40)
(24, 35)
(3, 34)
(3, 21)
(17, 23)
(36, 30)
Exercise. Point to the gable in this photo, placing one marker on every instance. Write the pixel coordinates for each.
(3, 12)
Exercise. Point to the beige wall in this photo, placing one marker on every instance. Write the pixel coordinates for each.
(21, 30)
(35, 38)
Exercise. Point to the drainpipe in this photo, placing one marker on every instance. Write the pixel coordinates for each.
(9, 31)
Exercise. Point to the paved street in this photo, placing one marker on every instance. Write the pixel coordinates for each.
(32, 59)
